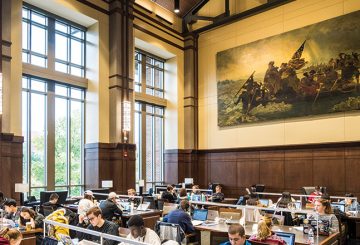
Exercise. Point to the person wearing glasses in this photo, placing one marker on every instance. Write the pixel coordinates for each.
(99, 224)
(236, 235)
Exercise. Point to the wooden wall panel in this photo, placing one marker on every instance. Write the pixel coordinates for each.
(110, 161)
(247, 172)
(272, 174)
(224, 173)
(283, 168)
(298, 172)
(329, 173)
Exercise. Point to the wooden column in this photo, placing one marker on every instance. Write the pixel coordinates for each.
(116, 160)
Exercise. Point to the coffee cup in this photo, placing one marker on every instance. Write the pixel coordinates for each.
(28, 226)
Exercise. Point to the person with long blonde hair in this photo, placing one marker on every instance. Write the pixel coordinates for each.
(265, 235)
(10, 236)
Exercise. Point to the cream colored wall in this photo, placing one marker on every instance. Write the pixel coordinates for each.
(174, 85)
(330, 128)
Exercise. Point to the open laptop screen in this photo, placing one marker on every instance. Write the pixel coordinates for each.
(289, 238)
(264, 202)
(340, 206)
(200, 214)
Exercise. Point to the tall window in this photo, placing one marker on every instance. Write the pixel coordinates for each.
(52, 109)
(149, 118)
(66, 135)
(52, 43)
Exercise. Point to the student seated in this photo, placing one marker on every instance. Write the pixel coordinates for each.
(10, 236)
(265, 235)
(350, 204)
(169, 195)
(2, 200)
(325, 213)
(236, 233)
(11, 211)
(86, 203)
(29, 215)
(109, 207)
(53, 202)
(140, 233)
(132, 193)
(218, 196)
(181, 217)
(315, 194)
(97, 223)
(195, 190)
(182, 195)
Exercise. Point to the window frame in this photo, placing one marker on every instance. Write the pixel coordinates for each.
(49, 165)
(142, 100)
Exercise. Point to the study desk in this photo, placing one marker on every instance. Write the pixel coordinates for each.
(300, 237)
(29, 237)
(150, 217)
(353, 222)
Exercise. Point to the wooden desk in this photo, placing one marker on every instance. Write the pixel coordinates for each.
(353, 223)
(150, 217)
(300, 237)
(29, 237)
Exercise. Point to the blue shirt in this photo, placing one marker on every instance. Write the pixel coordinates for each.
(178, 216)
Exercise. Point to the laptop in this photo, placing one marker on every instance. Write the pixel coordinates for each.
(168, 208)
(298, 205)
(289, 238)
(324, 227)
(199, 216)
(125, 206)
(212, 214)
(340, 206)
(264, 202)
(143, 207)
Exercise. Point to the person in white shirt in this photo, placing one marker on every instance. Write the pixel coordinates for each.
(86, 203)
(140, 233)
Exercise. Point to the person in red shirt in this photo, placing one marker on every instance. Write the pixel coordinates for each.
(313, 195)
(265, 235)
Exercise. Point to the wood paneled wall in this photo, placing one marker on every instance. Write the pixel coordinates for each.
(110, 161)
(283, 168)
(11, 157)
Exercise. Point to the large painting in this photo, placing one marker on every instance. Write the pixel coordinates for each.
(309, 71)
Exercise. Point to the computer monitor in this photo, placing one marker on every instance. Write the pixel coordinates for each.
(196, 198)
(188, 181)
(200, 214)
(340, 206)
(45, 196)
(298, 205)
(102, 191)
(289, 238)
(264, 202)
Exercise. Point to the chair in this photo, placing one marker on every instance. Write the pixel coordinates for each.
(172, 232)
(168, 207)
(227, 213)
(168, 231)
(261, 243)
(151, 200)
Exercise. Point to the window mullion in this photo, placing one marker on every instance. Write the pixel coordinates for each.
(68, 148)
(50, 137)
(51, 44)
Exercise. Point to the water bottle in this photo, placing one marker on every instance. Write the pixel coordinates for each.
(203, 198)
(311, 235)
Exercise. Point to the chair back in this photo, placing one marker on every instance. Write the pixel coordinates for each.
(168, 207)
(227, 213)
(168, 231)
(262, 243)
